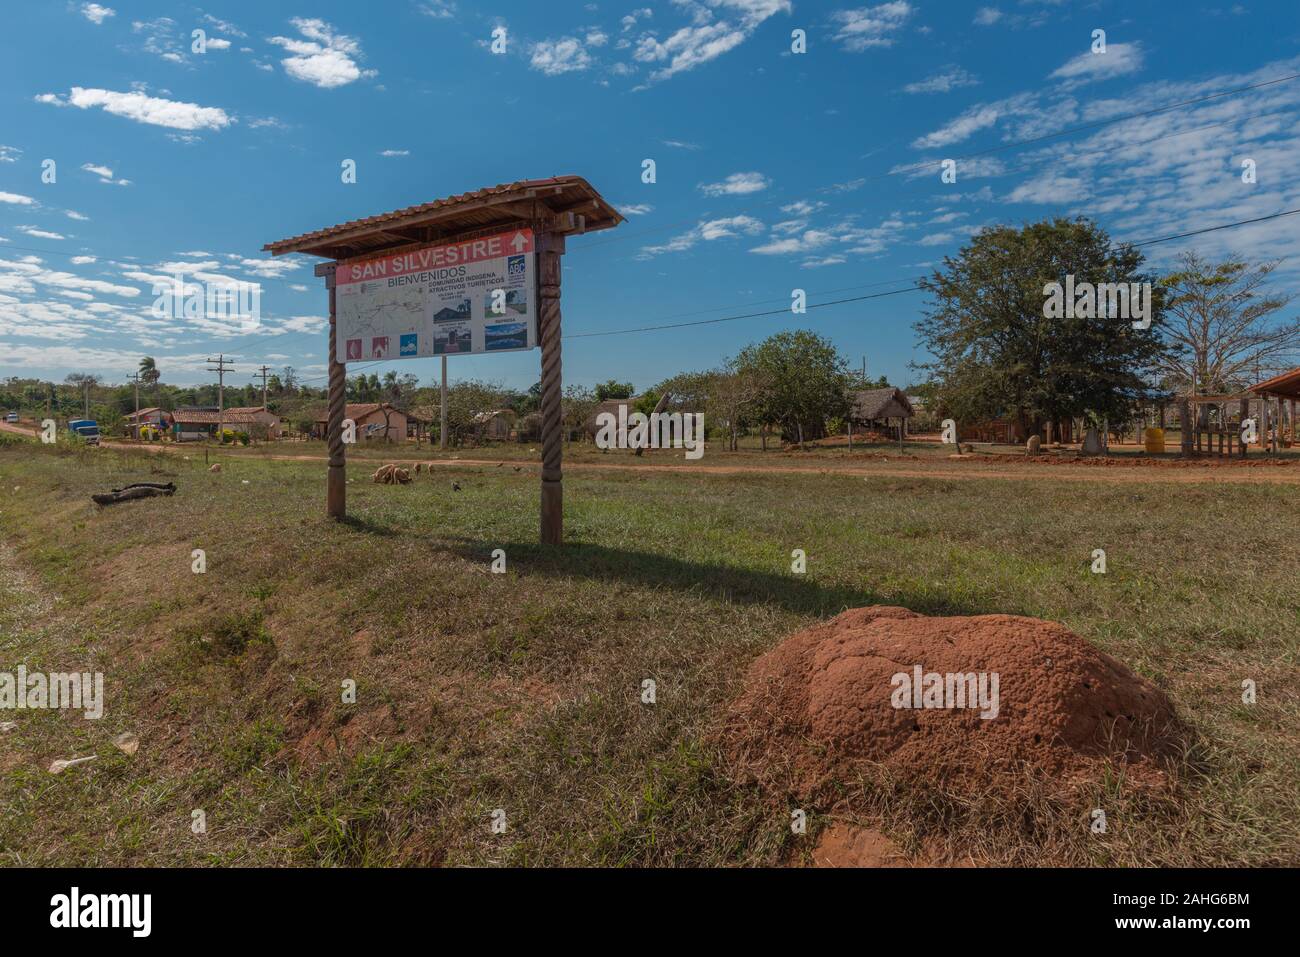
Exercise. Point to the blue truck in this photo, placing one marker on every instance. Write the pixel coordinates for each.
(88, 429)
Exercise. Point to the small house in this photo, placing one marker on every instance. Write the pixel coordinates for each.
(875, 408)
(374, 421)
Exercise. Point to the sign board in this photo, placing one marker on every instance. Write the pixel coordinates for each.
(477, 295)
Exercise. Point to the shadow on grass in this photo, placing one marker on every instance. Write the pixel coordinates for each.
(360, 523)
(795, 593)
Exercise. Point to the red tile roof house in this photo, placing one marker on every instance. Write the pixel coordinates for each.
(198, 423)
(370, 421)
(151, 416)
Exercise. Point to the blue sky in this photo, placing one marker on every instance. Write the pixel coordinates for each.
(775, 170)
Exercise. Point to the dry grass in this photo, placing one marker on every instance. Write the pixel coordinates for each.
(521, 691)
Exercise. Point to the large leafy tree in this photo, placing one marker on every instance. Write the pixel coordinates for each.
(996, 351)
(802, 381)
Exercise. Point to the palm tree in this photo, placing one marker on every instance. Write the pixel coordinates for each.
(150, 375)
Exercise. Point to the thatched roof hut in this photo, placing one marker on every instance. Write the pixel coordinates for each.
(875, 405)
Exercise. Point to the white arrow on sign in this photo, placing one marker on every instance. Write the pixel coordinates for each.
(518, 242)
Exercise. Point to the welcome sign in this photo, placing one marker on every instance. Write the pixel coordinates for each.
(473, 296)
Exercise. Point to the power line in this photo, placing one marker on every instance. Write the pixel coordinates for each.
(751, 315)
(1215, 229)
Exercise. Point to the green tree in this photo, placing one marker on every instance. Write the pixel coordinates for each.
(801, 381)
(998, 353)
(613, 390)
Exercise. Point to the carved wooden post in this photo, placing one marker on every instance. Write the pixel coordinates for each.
(336, 476)
(550, 249)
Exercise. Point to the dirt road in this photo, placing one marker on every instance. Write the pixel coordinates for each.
(945, 469)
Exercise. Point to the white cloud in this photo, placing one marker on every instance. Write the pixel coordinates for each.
(161, 38)
(629, 21)
(705, 39)
(105, 174)
(218, 43)
(1026, 109)
(95, 13)
(395, 153)
(304, 323)
(1120, 59)
(565, 55)
(737, 184)
(802, 207)
(73, 214)
(635, 209)
(987, 16)
(439, 9)
(596, 38)
(1051, 187)
(868, 27)
(680, 144)
(83, 260)
(9, 154)
(708, 230)
(224, 26)
(805, 242)
(39, 233)
(323, 58)
(17, 199)
(144, 109)
(730, 226)
(950, 79)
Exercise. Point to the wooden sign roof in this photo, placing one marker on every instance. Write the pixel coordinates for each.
(561, 204)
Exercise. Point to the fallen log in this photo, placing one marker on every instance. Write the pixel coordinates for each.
(138, 490)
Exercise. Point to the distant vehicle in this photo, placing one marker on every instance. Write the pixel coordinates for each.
(88, 429)
(11, 417)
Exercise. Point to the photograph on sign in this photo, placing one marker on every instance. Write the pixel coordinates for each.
(450, 299)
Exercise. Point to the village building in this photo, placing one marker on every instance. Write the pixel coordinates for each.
(495, 425)
(202, 422)
(374, 421)
(153, 416)
(881, 408)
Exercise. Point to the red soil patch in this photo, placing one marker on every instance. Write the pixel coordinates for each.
(842, 845)
(820, 707)
(849, 845)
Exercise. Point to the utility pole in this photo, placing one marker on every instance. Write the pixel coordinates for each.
(220, 366)
(135, 379)
(442, 419)
(262, 372)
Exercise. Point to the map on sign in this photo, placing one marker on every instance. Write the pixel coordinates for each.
(477, 295)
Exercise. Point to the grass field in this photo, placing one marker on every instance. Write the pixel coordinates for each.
(521, 691)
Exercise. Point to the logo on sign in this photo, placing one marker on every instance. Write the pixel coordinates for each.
(408, 344)
(354, 349)
(514, 266)
(379, 347)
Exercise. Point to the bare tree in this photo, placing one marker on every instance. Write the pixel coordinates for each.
(733, 396)
(1217, 325)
